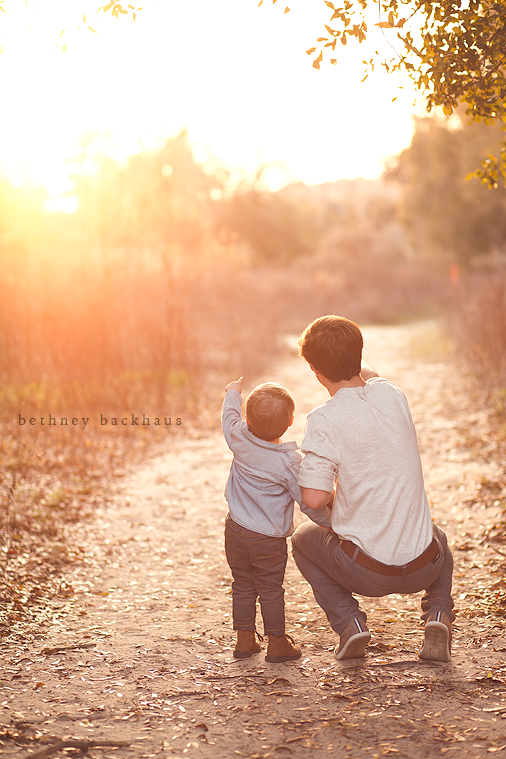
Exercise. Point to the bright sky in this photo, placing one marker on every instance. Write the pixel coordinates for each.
(235, 74)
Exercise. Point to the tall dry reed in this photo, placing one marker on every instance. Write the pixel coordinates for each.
(479, 320)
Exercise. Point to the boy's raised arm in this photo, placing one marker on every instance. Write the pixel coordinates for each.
(235, 385)
(231, 411)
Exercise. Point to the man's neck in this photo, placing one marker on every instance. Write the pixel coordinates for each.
(333, 387)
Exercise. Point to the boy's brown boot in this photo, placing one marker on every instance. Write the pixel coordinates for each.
(282, 648)
(247, 644)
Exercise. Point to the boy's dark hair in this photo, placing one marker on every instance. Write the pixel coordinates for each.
(333, 346)
(269, 411)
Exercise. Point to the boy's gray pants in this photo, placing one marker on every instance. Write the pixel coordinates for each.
(334, 576)
(258, 564)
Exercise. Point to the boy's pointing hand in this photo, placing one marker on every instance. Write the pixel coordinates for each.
(236, 385)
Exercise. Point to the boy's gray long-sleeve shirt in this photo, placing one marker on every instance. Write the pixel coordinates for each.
(262, 485)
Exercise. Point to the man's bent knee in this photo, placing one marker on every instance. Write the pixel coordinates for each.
(303, 531)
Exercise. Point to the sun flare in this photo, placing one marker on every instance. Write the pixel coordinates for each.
(235, 75)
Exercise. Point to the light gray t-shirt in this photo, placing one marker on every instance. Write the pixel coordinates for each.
(365, 437)
(262, 484)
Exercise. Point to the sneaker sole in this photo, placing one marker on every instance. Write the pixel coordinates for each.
(278, 659)
(436, 644)
(354, 648)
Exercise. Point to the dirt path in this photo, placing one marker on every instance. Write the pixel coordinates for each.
(142, 652)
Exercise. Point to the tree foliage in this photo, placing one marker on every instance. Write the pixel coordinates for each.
(272, 228)
(159, 200)
(164, 200)
(457, 220)
(453, 50)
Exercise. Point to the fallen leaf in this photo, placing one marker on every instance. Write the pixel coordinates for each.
(297, 738)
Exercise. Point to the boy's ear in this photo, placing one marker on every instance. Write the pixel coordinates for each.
(291, 421)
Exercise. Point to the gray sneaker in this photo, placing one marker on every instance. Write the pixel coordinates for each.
(353, 640)
(437, 641)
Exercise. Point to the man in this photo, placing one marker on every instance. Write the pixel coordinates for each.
(362, 460)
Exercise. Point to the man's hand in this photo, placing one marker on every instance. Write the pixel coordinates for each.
(367, 372)
(235, 385)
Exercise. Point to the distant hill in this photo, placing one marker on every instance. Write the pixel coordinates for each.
(348, 197)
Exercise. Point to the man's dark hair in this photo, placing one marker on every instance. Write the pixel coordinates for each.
(269, 411)
(333, 346)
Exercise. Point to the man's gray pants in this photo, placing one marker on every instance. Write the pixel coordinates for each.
(334, 576)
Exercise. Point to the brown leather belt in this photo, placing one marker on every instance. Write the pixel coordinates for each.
(430, 554)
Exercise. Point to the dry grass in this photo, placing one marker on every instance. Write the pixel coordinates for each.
(149, 307)
(366, 288)
(131, 345)
(479, 325)
(140, 343)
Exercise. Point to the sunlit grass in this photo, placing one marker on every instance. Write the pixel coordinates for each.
(432, 342)
(147, 301)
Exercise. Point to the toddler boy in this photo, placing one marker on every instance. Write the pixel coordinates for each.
(261, 490)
